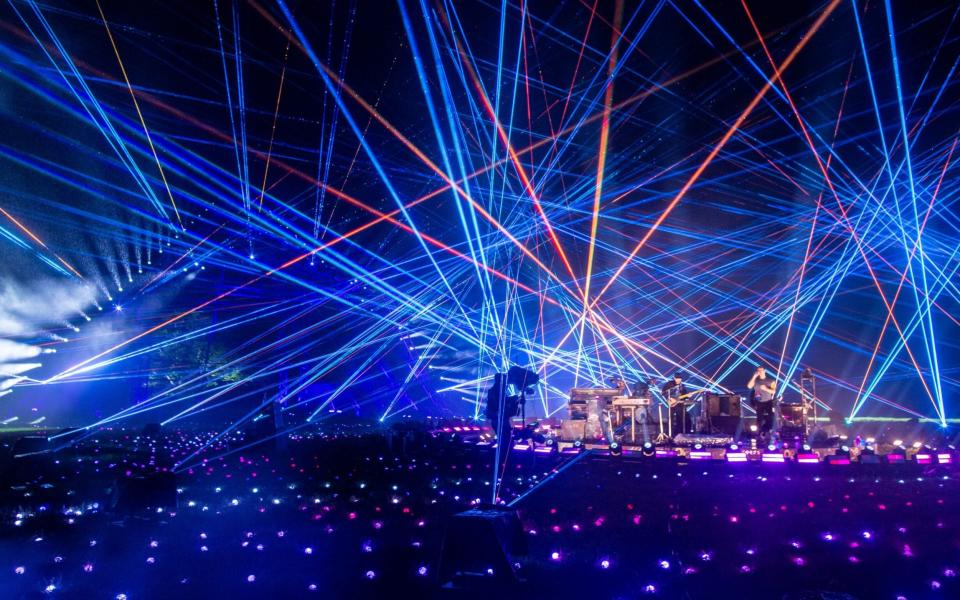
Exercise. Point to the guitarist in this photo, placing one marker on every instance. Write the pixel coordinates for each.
(674, 391)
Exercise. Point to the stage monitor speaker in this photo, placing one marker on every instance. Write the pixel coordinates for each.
(146, 492)
(712, 404)
(730, 405)
(725, 424)
(571, 431)
(723, 405)
(29, 445)
(481, 548)
(821, 438)
(792, 434)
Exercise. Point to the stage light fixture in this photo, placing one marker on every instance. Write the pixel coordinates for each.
(737, 457)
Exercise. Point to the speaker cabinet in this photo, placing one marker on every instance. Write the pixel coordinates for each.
(481, 548)
(726, 405)
(725, 425)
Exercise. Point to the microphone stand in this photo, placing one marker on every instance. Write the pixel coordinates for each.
(662, 437)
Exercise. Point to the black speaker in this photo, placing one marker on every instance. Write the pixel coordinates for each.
(730, 405)
(726, 405)
(725, 425)
(146, 492)
(481, 547)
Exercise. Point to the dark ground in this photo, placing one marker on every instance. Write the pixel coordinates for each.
(346, 514)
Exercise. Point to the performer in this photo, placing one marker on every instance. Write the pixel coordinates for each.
(620, 384)
(673, 391)
(641, 390)
(762, 392)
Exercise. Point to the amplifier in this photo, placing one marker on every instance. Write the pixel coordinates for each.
(725, 424)
(723, 405)
(481, 547)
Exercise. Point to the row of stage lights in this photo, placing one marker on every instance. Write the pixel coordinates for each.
(804, 454)
(191, 270)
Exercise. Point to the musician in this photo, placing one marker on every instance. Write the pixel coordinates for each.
(763, 389)
(674, 391)
(641, 390)
(620, 384)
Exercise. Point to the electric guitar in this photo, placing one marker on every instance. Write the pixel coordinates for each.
(671, 402)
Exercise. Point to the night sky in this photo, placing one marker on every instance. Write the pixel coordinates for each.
(367, 208)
